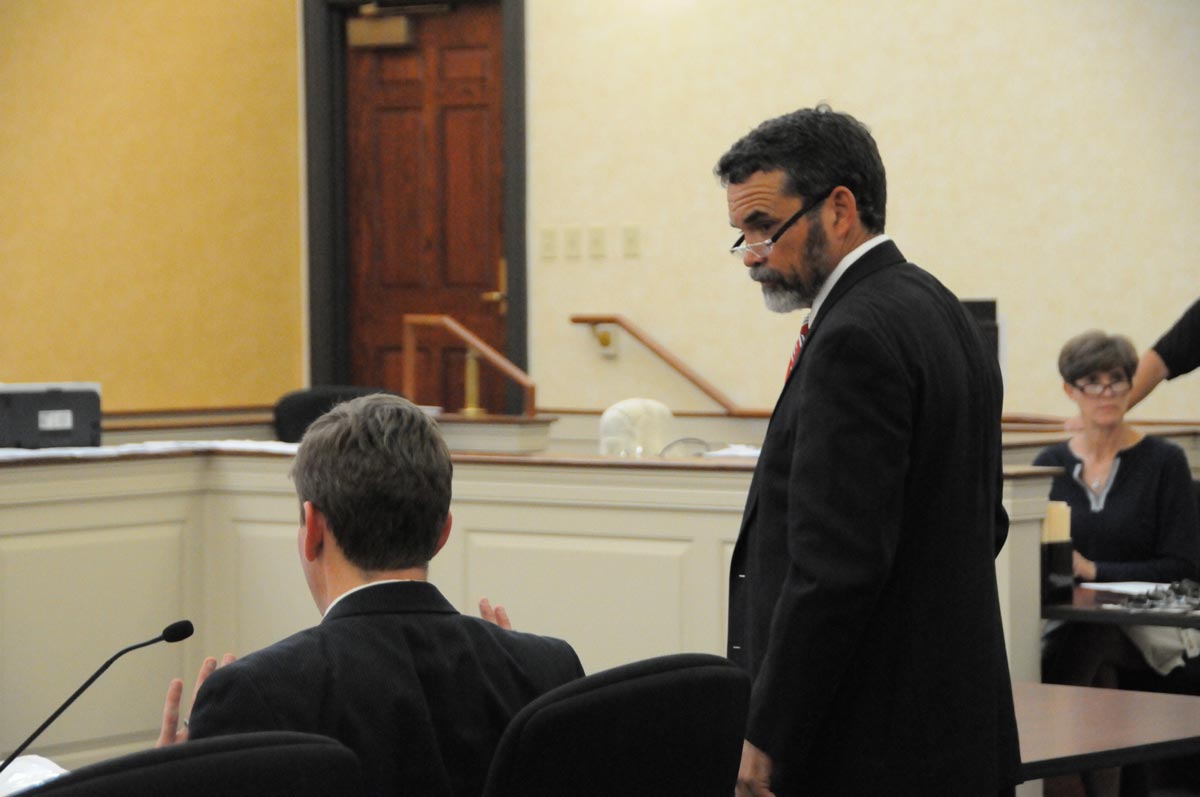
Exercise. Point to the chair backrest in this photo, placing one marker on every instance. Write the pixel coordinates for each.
(299, 408)
(264, 764)
(670, 726)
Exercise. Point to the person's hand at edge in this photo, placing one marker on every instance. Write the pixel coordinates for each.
(1085, 569)
(170, 732)
(754, 773)
(494, 614)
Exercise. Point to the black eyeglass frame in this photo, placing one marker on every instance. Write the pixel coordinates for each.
(739, 249)
(1117, 387)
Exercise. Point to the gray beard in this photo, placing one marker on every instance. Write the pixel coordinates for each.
(785, 294)
(784, 297)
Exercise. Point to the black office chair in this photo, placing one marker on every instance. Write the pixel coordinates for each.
(299, 408)
(265, 764)
(670, 726)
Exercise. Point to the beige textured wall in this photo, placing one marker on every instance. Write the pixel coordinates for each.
(1040, 153)
(150, 199)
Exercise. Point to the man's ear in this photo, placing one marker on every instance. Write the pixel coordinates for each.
(845, 209)
(445, 534)
(315, 529)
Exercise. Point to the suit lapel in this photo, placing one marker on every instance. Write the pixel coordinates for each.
(875, 260)
(884, 255)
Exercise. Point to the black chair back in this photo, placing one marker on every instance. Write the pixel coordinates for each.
(264, 764)
(670, 726)
(299, 408)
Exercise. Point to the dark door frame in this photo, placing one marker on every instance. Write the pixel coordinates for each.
(328, 239)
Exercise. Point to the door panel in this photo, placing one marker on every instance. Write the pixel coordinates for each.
(425, 195)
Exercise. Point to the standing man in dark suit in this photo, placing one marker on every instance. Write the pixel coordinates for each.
(420, 692)
(863, 596)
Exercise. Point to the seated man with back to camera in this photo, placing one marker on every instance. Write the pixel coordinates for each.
(418, 691)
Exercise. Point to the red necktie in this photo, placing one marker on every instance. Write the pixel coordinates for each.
(796, 351)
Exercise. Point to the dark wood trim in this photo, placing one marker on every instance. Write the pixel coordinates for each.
(328, 248)
(177, 412)
(515, 249)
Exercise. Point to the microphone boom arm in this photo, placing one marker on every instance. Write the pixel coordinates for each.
(172, 633)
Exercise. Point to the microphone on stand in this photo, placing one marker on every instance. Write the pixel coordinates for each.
(175, 632)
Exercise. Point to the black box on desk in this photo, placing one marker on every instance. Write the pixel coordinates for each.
(49, 414)
(1058, 574)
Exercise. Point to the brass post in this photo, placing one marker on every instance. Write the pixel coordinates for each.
(471, 408)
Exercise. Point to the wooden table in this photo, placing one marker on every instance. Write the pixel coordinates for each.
(1087, 606)
(1074, 728)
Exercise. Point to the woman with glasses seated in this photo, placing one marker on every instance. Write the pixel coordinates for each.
(1133, 518)
(1133, 510)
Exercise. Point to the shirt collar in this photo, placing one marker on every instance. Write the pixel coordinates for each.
(360, 587)
(842, 267)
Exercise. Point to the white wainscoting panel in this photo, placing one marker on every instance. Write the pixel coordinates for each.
(70, 601)
(624, 560)
(553, 581)
(272, 600)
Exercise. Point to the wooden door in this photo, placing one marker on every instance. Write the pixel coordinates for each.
(425, 190)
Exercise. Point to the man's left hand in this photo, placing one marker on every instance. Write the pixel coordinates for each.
(170, 733)
(494, 614)
(754, 773)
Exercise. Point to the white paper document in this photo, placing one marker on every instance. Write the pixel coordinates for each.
(1124, 587)
(151, 447)
(27, 771)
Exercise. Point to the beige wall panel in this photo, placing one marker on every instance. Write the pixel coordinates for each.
(727, 555)
(37, 492)
(1018, 575)
(71, 600)
(250, 558)
(272, 598)
(624, 562)
(605, 544)
(1038, 153)
(548, 581)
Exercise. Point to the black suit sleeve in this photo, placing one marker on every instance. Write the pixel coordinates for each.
(846, 503)
(1179, 348)
(230, 702)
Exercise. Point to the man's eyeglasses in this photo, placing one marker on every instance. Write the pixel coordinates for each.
(763, 248)
(1118, 388)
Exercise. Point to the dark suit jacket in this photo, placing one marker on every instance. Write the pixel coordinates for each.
(420, 692)
(863, 595)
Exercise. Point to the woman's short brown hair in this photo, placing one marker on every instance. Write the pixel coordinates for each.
(1096, 352)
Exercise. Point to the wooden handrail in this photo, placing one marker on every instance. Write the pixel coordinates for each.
(473, 341)
(670, 359)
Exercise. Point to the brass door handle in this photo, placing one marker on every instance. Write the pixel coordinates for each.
(499, 297)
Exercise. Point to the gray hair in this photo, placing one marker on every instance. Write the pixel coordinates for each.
(819, 149)
(378, 469)
(1095, 352)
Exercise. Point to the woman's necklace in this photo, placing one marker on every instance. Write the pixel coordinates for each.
(1099, 472)
(1098, 466)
